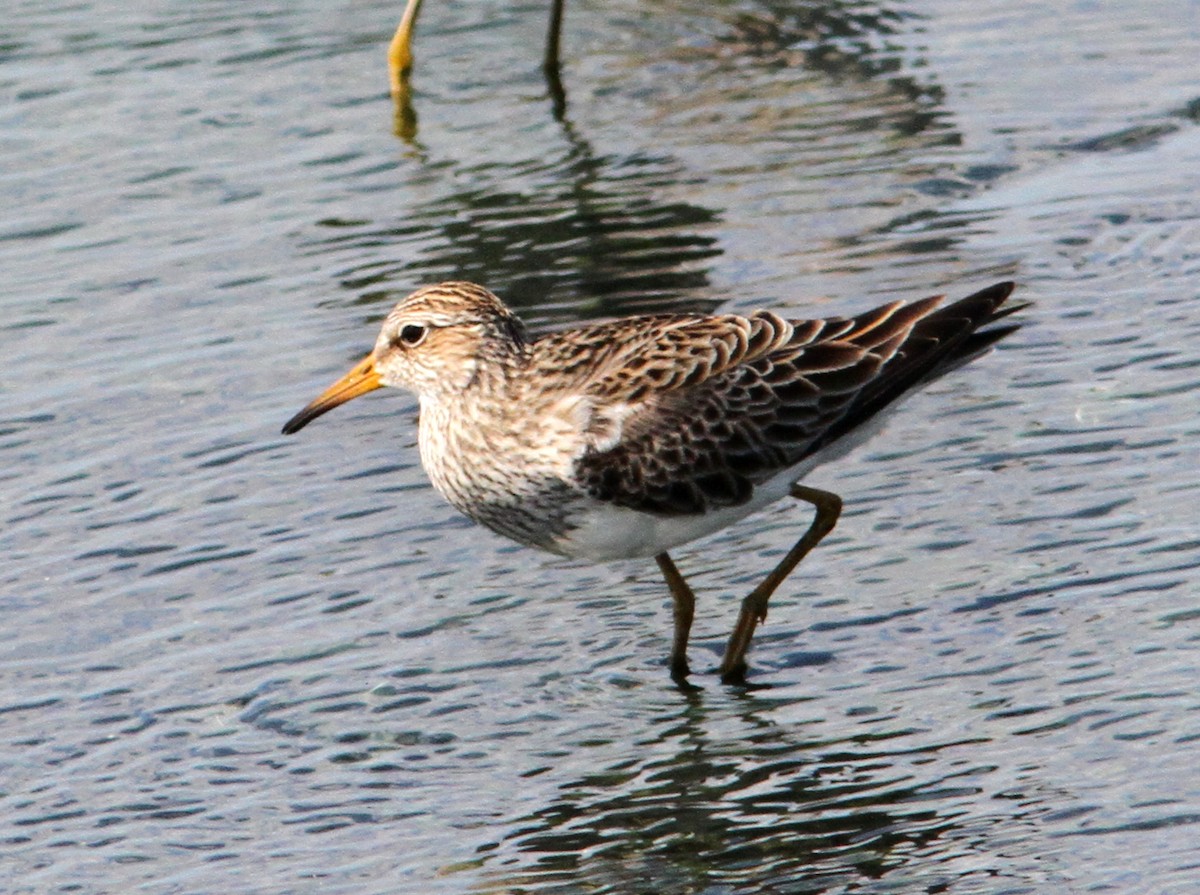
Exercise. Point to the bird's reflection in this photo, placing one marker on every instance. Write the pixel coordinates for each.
(725, 794)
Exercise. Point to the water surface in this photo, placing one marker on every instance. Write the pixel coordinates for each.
(237, 662)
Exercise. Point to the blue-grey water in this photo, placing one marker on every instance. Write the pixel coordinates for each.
(236, 662)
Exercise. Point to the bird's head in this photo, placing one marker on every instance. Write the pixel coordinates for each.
(434, 343)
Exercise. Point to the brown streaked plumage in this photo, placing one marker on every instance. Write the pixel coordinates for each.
(631, 437)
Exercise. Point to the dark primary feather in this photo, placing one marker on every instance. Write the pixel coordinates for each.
(760, 394)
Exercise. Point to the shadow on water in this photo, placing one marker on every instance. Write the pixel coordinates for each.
(763, 811)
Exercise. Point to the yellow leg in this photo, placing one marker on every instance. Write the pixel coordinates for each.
(685, 609)
(400, 51)
(754, 607)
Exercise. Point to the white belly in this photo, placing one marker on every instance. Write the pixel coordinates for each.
(606, 532)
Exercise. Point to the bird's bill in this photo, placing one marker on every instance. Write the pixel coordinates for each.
(362, 379)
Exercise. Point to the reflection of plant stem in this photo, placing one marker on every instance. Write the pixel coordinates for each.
(404, 116)
(558, 95)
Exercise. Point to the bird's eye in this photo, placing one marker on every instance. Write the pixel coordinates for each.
(412, 334)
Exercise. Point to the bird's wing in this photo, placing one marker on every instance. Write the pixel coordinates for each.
(692, 413)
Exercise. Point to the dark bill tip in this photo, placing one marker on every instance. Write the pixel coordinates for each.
(362, 379)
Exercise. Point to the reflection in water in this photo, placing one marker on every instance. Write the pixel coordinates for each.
(591, 233)
(842, 41)
(400, 60)
(404, 115)
(587, 230)
(839, 40)
(697, 809)
(600, 244)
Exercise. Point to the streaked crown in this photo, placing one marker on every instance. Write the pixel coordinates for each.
(435, 339)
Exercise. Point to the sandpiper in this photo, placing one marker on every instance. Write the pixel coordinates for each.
(627, 438)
